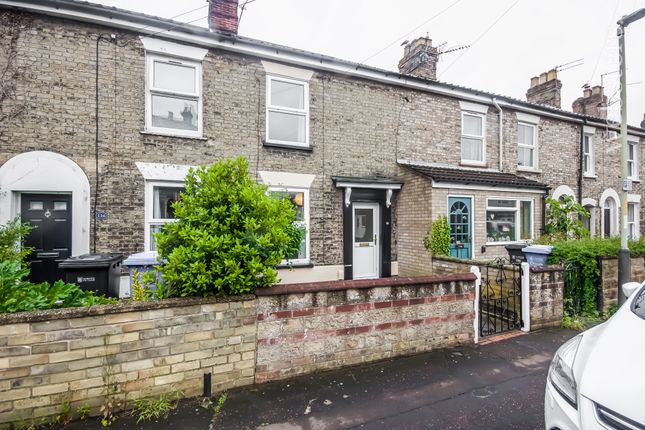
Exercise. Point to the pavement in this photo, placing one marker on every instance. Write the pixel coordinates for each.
(499, 385)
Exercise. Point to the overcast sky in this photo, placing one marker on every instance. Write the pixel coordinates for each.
(510, 40)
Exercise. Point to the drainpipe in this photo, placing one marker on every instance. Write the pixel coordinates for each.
(501, 133)
(581, 164)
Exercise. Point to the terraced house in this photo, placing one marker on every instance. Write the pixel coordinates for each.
(110, 109)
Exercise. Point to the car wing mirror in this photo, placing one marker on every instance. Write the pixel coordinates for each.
(630, 287)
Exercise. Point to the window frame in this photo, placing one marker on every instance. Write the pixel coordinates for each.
(533, 147)
(481, 137)
(281, 109)
(151, 91)
(591, 155)
(632, 163)
(149, 209)
(614, 228)
(634, 223)
(305, 223)
(518, 220)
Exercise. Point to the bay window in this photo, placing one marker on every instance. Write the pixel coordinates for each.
(287, 113)
(508, 220)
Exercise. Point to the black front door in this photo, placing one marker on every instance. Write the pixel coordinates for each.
(51, 237)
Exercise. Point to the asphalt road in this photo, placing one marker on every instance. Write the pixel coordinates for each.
(495, 386)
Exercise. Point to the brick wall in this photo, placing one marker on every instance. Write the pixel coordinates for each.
(414, 218)
(307, 328)
(546, 295)
(56, 356)
(448, 266)
(609, 279)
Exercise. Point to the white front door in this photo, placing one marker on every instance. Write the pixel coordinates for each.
(366, 240)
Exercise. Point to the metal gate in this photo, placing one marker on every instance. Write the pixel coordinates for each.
(500, 297)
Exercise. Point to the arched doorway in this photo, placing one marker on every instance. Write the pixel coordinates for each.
(53, 193)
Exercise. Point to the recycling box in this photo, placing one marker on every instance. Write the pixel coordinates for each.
(94, 272)
(141, 263)
(537, 255)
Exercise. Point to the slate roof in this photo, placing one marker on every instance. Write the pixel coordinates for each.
(488, 178)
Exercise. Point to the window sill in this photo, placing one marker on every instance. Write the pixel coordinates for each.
(286, 146)
(589, 176)
(517, 242)
(295, 265)
(180, 136)
(472, 164)
(525, 169)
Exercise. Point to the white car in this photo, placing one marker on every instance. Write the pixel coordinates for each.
(597, 379)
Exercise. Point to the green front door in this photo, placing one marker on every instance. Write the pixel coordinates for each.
(460, 220)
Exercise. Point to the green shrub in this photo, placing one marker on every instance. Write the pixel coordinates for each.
(11, 237)
(146, 286)
(230, 234)
(563, 219)
(154, 408)
(438, 238)
(584, 254)
(18, 294)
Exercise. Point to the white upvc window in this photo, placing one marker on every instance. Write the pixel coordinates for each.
(588, 155)
(508, 220)
(526, 145)
(287, 111)
(473, 145)
(632, 160)
(173, 96)
(633, 221)
(299, 198)
(159, 199)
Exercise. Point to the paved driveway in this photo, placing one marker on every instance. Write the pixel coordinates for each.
(494, 386)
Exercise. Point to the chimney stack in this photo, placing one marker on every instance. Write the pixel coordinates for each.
(545, 89)
(593, 103)
(222, 16)
(420, 59)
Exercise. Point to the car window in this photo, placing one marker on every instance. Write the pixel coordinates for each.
(638, 305)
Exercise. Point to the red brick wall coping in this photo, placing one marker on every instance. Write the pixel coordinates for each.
(121, 307)
(545, 269)
(313, 287)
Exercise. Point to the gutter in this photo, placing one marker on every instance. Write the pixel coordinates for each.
(501, 134)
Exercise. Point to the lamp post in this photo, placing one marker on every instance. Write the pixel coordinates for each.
(623, 255)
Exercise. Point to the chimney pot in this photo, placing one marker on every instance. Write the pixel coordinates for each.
(596, 90)
(545, 89)
(222, 16)
(586, 92)
(552, 74)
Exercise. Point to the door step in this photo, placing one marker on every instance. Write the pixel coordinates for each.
(501, 336)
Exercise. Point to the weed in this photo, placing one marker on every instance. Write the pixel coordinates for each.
(220, 404)
(63, 418)
(153, 408)
(83, 411)
(111, 389)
